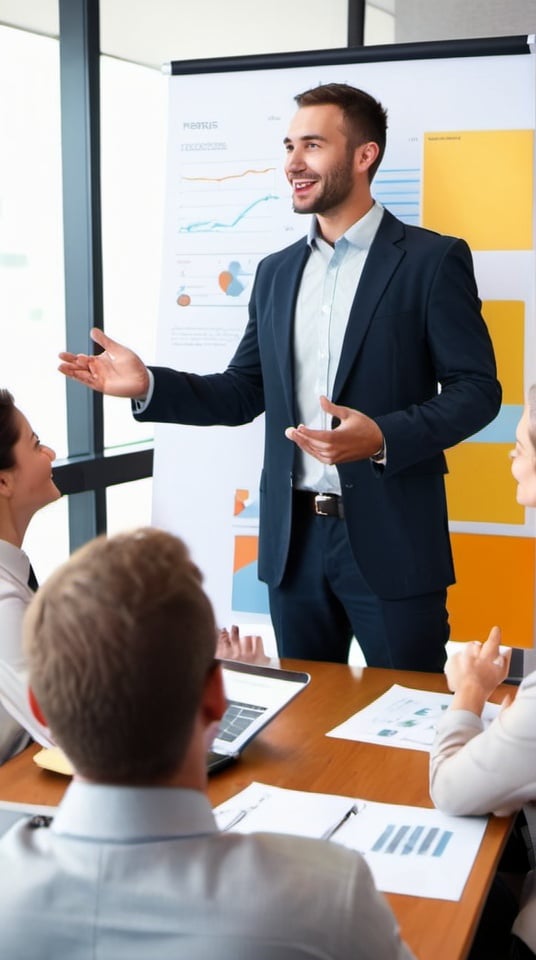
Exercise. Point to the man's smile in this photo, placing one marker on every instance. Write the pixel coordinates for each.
(302, 185)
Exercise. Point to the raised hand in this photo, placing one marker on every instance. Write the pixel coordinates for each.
(248, 649)
(475, 672)
(117, 371)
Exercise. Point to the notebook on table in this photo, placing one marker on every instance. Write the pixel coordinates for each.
(255, 695)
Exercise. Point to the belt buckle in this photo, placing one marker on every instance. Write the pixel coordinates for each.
(322, 499)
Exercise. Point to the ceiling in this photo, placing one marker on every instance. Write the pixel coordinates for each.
(154, 31)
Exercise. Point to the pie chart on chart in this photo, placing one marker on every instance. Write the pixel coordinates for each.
(229, 280)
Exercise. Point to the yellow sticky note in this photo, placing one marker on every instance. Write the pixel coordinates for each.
(478, 184)
(505, 320)
(52, 758)
(480, 485)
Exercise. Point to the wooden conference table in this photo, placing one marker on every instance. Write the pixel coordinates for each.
(294, 752)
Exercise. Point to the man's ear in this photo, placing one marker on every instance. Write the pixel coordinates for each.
(365, 155)
(214, 703)
(35, 708)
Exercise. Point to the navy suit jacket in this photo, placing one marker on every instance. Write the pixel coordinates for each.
(415, 323)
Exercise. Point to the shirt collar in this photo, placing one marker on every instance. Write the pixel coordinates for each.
(360, 234)
(15, 560)
(117, 814)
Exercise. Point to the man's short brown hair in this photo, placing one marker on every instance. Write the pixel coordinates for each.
(365, 118)
(119, 642)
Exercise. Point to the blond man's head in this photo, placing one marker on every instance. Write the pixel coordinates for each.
(120, 641)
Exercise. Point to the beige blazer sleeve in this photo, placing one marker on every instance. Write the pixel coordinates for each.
(475, 770)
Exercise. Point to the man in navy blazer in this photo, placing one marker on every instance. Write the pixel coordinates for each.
(384, 320)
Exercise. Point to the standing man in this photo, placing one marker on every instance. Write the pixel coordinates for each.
(368, 335)
(120, 644)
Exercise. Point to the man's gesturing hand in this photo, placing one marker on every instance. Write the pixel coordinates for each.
(355, 438)
(117, 371)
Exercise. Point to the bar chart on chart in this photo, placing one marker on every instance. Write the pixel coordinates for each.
(413, 850)
(410, 850)
(405, 840)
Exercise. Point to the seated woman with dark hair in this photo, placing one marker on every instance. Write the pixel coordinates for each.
(475, 770)
(26, 485)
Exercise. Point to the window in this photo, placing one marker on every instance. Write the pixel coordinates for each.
(31, 235)
(133, 144)
(31, 260)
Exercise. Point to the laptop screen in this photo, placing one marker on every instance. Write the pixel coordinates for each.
(255, 695)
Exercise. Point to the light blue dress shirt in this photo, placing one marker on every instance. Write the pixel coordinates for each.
(327, 291)
(136, 873)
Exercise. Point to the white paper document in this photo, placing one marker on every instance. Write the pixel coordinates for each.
(414, 850)
(402, 717)
(410, 850)
(260, 808)
(14, 697)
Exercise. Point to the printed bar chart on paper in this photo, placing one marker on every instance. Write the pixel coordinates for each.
(410, 850)
(418, 840)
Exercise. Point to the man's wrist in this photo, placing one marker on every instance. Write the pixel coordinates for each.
(380, 454)
(139, 404)
(141, 397)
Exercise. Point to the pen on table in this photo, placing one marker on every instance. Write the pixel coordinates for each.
(331, 830)
(232, 823)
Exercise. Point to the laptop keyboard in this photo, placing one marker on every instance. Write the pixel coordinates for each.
(237, 718)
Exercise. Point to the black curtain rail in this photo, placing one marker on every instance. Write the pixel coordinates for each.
(430, 50)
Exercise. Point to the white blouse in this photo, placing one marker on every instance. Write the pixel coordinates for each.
(16, 718)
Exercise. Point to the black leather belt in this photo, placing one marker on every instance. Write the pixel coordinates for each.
(323, 504)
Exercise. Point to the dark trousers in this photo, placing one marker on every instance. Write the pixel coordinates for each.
(324, 600)
(519, 950)
(494, 939)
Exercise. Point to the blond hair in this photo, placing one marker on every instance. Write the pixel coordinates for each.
(119, 643)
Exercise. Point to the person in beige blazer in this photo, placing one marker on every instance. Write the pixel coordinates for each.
(474, 770)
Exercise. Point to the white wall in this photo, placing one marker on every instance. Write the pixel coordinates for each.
(153, 31)
(452, 19)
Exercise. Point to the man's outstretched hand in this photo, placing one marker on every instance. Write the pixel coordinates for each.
(117, 371)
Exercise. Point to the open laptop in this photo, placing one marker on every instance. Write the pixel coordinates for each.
(255, 695)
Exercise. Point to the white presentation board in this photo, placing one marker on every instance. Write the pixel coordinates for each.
(228, 205)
